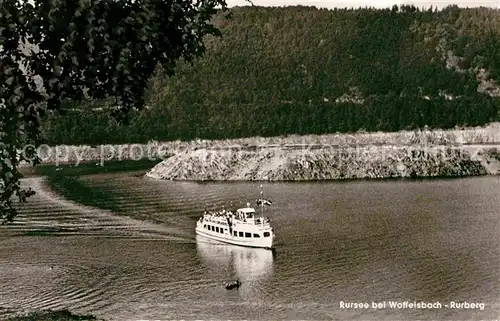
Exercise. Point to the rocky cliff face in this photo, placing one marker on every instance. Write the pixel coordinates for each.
(422, 153)
(281, 164)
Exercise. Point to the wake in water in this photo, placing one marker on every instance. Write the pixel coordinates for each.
(47, 213)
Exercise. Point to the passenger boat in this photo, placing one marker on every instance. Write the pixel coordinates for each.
(241, 227)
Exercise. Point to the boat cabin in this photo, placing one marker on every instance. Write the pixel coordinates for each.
(246, 214)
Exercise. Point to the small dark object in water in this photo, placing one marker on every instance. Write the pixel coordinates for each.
(233, 284)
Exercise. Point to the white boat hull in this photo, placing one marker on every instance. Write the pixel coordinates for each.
(264, 242)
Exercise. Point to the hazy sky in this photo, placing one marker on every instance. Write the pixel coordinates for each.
(371, 3)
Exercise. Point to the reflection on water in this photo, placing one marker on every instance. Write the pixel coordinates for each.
(244, 263)
(354, 242)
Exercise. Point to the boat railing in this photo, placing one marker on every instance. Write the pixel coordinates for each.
(266, 224)
(216, 221)
(221, 218)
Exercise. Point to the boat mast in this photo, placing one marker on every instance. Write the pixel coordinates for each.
(262, 206)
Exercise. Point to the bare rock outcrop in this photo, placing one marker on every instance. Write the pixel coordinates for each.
(281, 164)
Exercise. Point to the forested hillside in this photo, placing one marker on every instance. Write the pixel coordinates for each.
(303, 70)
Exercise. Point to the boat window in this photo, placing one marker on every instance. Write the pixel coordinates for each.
(248, 234)
(213, 228)
(267, 234)
(240, 234)
(217, 229)
(235, 233)
(204, 225)
(256, 235)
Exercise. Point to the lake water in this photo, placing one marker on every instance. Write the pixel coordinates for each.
(360, 241)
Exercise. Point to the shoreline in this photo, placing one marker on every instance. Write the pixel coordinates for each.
(342, 180)
(459, 166)
(87, 168)
(405, 154)
(285, 165)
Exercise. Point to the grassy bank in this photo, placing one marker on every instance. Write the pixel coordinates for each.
(87, 168)
(103, 154)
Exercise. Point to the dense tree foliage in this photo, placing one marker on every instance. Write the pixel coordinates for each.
(56, 51)
(282, 71)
